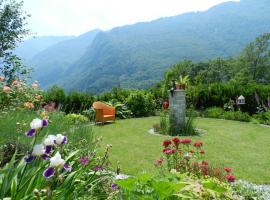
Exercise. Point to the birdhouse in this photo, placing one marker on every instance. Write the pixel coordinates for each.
(240, 100)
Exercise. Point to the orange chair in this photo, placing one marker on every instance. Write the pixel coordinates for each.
(104, 112)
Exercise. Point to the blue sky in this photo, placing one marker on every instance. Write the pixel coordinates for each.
(74, 17)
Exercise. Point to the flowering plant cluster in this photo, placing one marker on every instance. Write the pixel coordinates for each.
(185, 156)
(54, 168)
(19, 94)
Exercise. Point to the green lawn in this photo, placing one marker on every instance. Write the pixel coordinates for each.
(243, 146)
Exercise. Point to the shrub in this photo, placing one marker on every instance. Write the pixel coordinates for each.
(141, 103)
(263, 118)
(214, 112)
(164, 122)
(76, 102)
(122, 110)
(76, 119)
(54, 94)
(90, 114)
(238, 116)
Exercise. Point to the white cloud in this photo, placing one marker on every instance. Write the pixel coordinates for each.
(74, 17)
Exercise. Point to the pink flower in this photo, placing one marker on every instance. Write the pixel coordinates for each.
(2, 78)
(6, 89)
(159, 161)
(230, 178)
(186, 141)
(169, 151)
(84, 160)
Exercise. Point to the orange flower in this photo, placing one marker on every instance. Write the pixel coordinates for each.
(6, 89)
(29, 105)
(2, 78)
(15, 82)
(39, 97)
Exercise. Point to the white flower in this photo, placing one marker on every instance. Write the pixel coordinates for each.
(49, 141)
(187, 156)
(57, 161)
(173, 171)
(59, 139)
(36, 124)
(121, 176)
(38, 150)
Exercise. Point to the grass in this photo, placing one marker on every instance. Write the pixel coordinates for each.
(242, 146)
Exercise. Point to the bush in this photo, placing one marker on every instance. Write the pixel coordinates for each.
(141, 103)
(238, 116)
(76, 102)
(122, 110)
(90, 114)
(54, 94)
(76, 119)
(214, 112)
(263, 118)
(218, 94)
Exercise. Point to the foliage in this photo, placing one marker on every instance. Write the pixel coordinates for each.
(214, 112)
(55, 94)
(19, 95)
(141, 103)
(164, 122)
(12, 29)
(10, 148)
(90, 114)
(172, 186)
(73, 170)
(76, 119)
(238, 116)
(217, 94)
(250, 191)
(121, 109)
(263, 118)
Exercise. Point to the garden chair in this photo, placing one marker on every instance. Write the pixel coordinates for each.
(104, 112)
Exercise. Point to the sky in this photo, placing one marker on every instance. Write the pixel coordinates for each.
(74, 17)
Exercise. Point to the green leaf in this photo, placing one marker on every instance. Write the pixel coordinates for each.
(128, 184)
(211, 185)
(14, 184)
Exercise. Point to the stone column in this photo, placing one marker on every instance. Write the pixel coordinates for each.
(177, 103)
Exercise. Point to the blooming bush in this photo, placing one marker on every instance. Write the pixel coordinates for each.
(185, 156)
(55, 168)
(19, 94)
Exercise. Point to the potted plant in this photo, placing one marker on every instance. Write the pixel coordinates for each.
(182, 82)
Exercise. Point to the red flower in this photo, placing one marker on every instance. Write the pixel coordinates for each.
(202, 151)
(176, 141)
(186, 141)
(204, 171)
(159, 161)
(227, 169)
(165, 104)
(198, 144)
(230, 178)
(166, 143)
(204, 163)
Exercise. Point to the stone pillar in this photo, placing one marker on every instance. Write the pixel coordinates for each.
(177, 103)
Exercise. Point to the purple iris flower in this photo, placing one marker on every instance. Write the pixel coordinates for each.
(49, 172)
(29, 158)
(32, 132)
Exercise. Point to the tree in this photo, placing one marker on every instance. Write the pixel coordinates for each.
(256, 59)
(12, 31)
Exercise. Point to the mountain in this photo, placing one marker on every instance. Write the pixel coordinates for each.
(137, 55)
(30, 47)
(50, 63)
